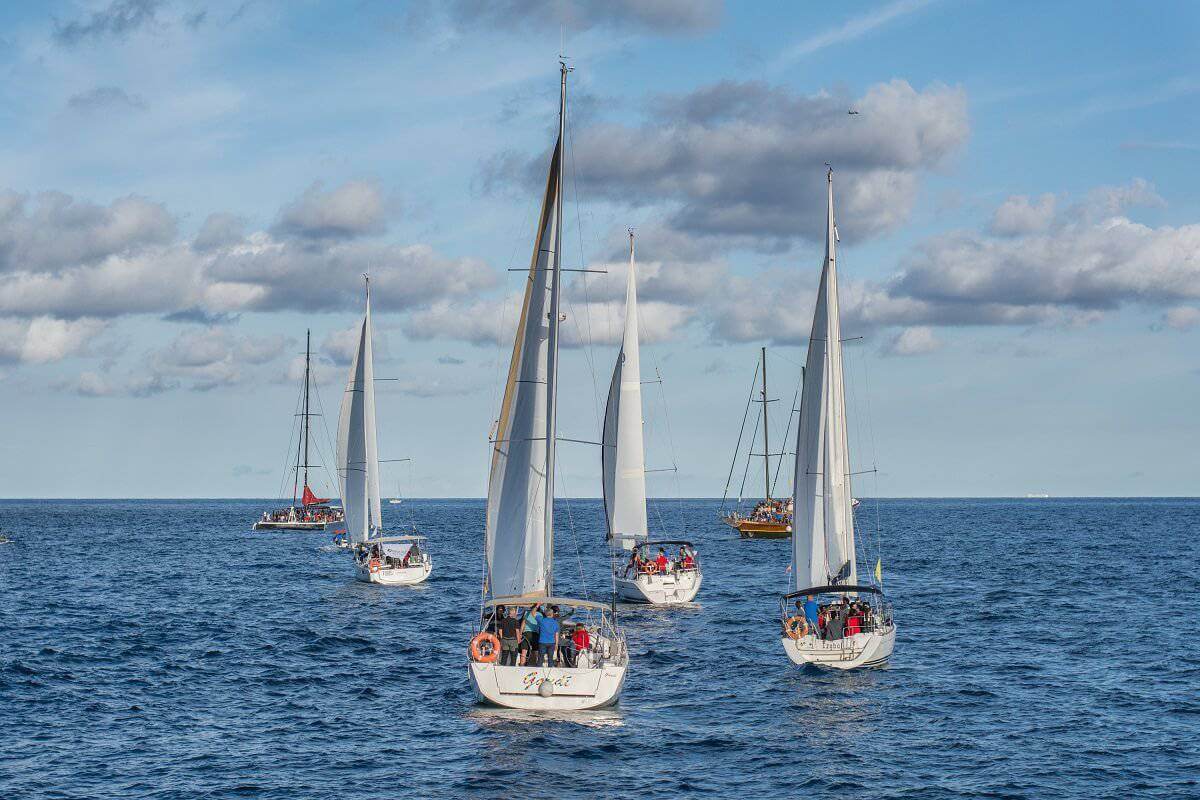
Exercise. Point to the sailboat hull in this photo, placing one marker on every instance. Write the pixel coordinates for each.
(853, 652)
(395, 576)
(292, 526)
(660, 589)
(749, 529)
(572, 689)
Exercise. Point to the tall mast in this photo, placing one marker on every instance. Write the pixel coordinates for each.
(307, 368)
(766, 437)
(552, 341)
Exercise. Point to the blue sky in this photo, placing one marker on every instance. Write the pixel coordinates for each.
(186, 187)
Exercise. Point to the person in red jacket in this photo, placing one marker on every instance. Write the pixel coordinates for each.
(662, 561)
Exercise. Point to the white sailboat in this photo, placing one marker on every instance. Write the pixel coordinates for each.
(395, 560)
(519, 539)
(838, 622)
(640, 576)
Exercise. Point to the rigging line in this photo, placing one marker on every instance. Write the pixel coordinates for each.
(741, 431)
(287, 457)
(670, 438)
(571, 527)
(746, 471)
(787, 430)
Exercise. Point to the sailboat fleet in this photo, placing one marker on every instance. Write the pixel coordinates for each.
(535, 649)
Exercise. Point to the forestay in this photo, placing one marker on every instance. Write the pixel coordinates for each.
(357, 451)
(823, 523)
(517, 535)
(623, 455)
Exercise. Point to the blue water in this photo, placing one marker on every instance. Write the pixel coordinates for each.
(160, 649)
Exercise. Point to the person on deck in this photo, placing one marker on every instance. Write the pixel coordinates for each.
(662, 562)
(582, 641)
(510, 634)
(530, 629)
(547, 634)
(811, 611)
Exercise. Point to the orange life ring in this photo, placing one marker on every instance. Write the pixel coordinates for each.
(651, 567)
(374, 565)
(477, 651)
(795, 627)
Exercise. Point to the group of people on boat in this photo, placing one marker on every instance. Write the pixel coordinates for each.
(321, 514)
(377, 557)
(771, 510)
(539, 635)
(662, 563)
(832, 621)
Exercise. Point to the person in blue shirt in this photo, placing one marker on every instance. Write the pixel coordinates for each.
(811, 611)
(529, 634)
(548, 638)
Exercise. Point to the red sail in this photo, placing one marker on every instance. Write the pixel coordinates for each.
(311, 499)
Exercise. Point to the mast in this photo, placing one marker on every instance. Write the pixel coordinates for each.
(307, 415)
(766, 437)
(552, 340)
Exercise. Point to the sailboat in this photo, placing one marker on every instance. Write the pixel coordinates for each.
(311, 513)
(770, 518)
(644, 578)
(838, 621)
(519, 539)
(378, 558)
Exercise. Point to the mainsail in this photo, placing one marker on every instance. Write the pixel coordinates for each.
(823, 523)
(623, 457)
(520, 522)
(357, 450)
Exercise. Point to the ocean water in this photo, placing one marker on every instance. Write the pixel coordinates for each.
(1046, 648)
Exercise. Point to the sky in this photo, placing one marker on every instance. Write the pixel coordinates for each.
(187, 188)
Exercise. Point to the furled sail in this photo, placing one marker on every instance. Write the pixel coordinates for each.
(623, 457)
(518, 550)
(823, 523)
(357, 451)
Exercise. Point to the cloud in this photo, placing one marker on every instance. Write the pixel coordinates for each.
(850, 30)
(661, 17)
(56, 231)
(1182, 318)
(117, 20)
(353, 209)
(94, 384)
(1018, 215)
(72, 259)
(450, 360)
(339, 346)
(1082, 263)
(41, 340)
(220, 230)
(744, 161)
(913, 342)
(213, 357)
(105, 98)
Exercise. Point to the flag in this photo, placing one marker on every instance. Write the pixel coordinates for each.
(879, 571)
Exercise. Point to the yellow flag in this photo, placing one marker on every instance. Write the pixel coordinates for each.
(879, 570)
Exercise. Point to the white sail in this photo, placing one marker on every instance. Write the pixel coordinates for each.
(357, 450)
(623, 456)
(519, 557)
(823, 524)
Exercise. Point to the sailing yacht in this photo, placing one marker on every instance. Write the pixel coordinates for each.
(519, 536)
(838, 621)
(770, 518)
(311, 513)
(378, 558)
(642, 578)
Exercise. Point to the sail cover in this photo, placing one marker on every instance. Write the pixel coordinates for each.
(623, 457)
(516, 521)
(823, 523)
(357, 452)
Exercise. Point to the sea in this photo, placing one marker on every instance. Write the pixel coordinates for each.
(1046, 648)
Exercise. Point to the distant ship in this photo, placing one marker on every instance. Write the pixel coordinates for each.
(1037, 496)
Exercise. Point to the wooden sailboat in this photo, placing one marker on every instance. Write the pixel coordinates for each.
(838, 621)
(307, 511)
(378, 558)
(643, 572)
(770, 518)
(587, 669)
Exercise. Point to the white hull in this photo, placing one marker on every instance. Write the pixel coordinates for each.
(395, 576)
(291, 526)
(852, 652)
(660, 589)
(573, 689)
